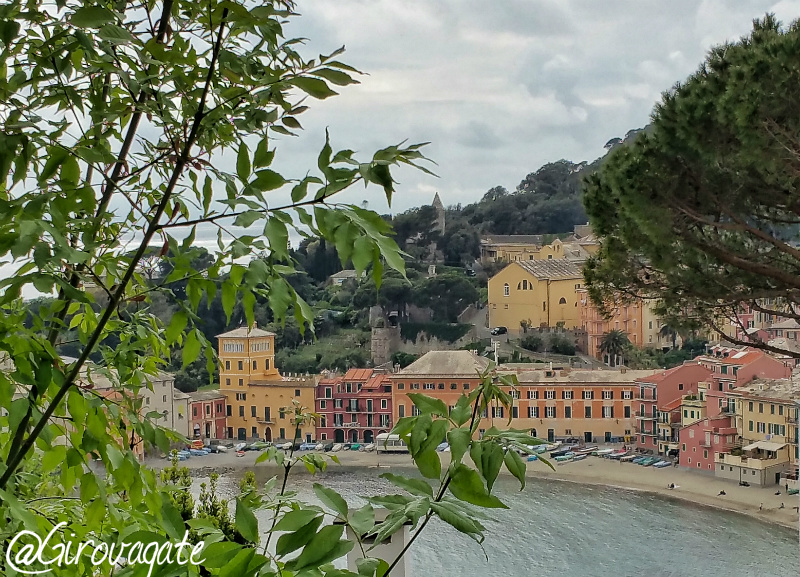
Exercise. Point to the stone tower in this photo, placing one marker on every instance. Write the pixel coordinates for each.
(437, 204)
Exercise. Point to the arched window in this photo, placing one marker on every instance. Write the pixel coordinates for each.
(519, 285)
(562, 301)
(525, 285)
(506, 290)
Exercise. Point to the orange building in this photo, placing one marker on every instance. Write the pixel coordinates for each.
(259, 399)
(593, 406)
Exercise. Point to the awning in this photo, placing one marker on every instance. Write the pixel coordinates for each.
(764, 446)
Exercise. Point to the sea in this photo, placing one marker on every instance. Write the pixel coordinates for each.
(561, 529)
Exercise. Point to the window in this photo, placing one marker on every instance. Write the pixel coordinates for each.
(241, 410)
(780, 409)
(400, 386)
(415, 411)
(627, 412)
(297, 392)
(241, 365)
(587, 413)
(497, 412)
(627, 395)
(514, 412)
(566, 395)
(453, 386)
(562, 301)
(567, 413)
(354, 418)
(608, 395)
(750, 406)
(337, 403)
(533, 412)
(772, 409)
(267, 416)
(415, 385)
(760, 407)
(685, 414)
(401, 410)
(680, 386)
(283, 433)
(514, 394)
(281, 413)
(194, 411)
(441, 386)
(227, 382)
(323, 404)
(588, 394)
(466, 386)
(761, 428)
(550, 412)
(252, 410)
(164, 398)
(328, 392)
(228, 410)
(241, 382)
(608, 412)
(428, 386)
(549, 394)
(255, 365)
(750, 426)
(567, 431)
(227, 365)
(533, 394)
(384, 420)
(506, 290)
(384, 403)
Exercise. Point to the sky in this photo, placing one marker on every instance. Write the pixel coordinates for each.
(501, 88)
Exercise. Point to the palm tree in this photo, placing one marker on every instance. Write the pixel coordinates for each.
(668, 331)
(613, 344)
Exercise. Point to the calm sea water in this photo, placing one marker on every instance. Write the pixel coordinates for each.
(568, 530)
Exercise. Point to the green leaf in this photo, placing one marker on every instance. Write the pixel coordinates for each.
(247, 218)
(294, 520)
(293, 541)
(459, 440)
(462, 412)
(267, 180)
(263, 155)
(367, 566)
(335, 76)
(243, 163)
(413, 486)
(429, 464)
(314, 87)
(208, 194)
(191, 348)
(115, 34)
(428, 405)
(176, 325)
(488, 459)
(246, 522)
(8, 31)
(363, 520)
(55, 156)
(218, 555)
(332, 500)
(92, 17)
(515, 466)
(171, 518)
(458, 520)
(324, 547)
(466, 485)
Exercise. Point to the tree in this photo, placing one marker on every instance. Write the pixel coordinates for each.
(613, 345)
(700, 212)
(114, 120)
(668, 331)
(447, 295)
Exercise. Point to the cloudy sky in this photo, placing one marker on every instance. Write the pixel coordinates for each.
(500, 88)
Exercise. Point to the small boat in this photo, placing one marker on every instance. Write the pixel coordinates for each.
(617, 456)
(222, 449)
(369, 447)
(337, 447)
(793, 491)
(579, 457)
(320, 447)
(240, 453)
(442, 446)
(627, 458)
(662, 464)
(564, 458)
(533, 458)
(603, 452)
(649, 461)
(561, 452)
(639, 459)
(586, 451)
(239, 446)
(198, 452)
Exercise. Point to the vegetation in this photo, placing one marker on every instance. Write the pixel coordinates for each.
(532, 343)
(701, 212)
(613, 345)
(445, 332)
(561, 345)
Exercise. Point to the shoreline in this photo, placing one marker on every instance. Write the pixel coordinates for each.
(690, 487)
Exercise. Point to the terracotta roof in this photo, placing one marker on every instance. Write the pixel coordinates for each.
(658, 377)
(600, 376)
(446, 363)
(244, 332)
(673, 405)
(358, 375)
(552, 268)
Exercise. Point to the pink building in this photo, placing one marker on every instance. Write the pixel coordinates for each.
(703, 440)
(656, 402)
(354, 408)
(733, 367)
(207, 414)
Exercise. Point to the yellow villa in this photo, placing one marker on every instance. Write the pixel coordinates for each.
(259, 398)
(543, 292)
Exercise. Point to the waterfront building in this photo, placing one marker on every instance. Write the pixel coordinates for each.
(588, 405)
(659, 397)
(208, 415)
(765, 416)
(704, 439)
(542, 292)
(260, 400)
(354, 407)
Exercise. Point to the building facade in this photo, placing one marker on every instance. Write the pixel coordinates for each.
(208, 415)
(355, 407)
(260, 400)
(703, 440)
(540, 292)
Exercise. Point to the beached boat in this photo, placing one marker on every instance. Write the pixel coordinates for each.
(337, 447)
(560, 452)
(603, 452)
(222, 449)
(617, 455)
(649, 461)
(639, 459)
(240, 453)
(564, 458)
(793, 491)
(586, 451)
(579, 457)
(533, 458)
(627, 458)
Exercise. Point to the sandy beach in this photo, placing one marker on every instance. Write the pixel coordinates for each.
(689, 486)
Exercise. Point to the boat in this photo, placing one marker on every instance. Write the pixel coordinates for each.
(586, 450)
(198, 452)
(793, 491)
(239, 446)
(564, 458)
(320, 447)
(337, 447)
(222, 449)
(533, 458)
(579, 457)
(618, 455)
(368, 447)
(560, 452)
(639, 459)
(627, 458)
(442, 446)
(603, 452)
(240, 453)
(649, 461)
(662, 464)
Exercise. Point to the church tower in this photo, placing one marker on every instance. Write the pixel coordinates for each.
(437, 204)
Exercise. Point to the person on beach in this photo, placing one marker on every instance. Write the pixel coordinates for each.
(721, 493)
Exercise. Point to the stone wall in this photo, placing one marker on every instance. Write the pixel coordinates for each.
(383, 343)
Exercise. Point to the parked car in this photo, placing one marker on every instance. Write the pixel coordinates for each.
(499, 331)
(470, 272)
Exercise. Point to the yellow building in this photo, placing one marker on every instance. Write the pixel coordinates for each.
(516, 248)
(542, 292)
(259, 398)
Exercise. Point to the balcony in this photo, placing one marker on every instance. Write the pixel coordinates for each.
(355, 409)
(647, 433)
(645, 416)
(264, 421)
(791, 420)
(749, 462)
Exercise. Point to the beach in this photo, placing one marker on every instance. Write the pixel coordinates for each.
(698, 488)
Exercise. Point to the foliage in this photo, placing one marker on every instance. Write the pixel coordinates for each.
(403, 359)
(445, 332)
(561, 345)
(700, 213)
(447, 295)
(532, 343)
(613, 344)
